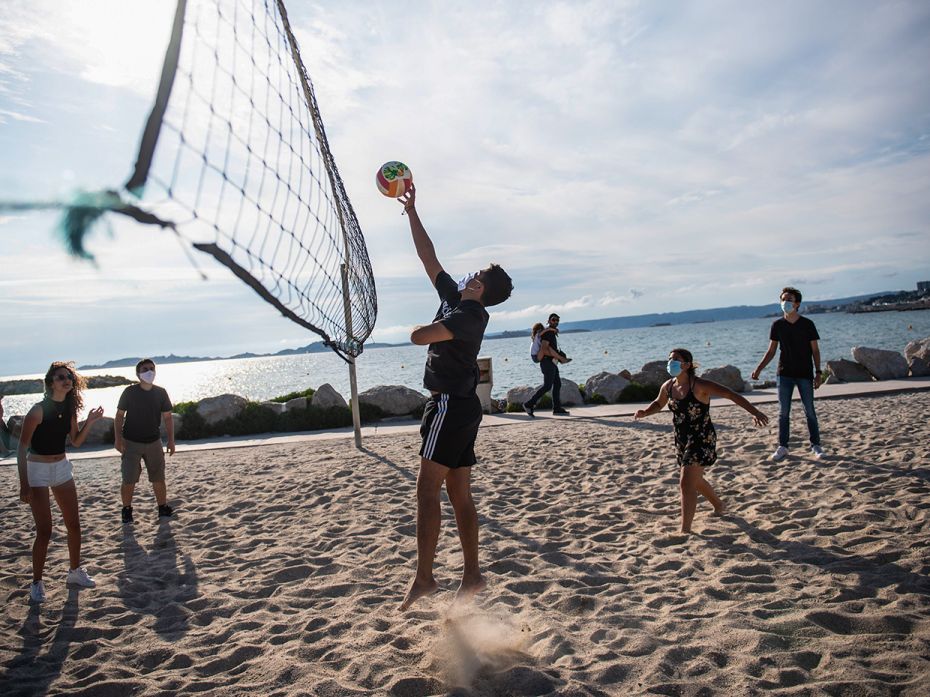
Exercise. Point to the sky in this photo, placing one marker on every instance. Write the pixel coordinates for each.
(617, 158)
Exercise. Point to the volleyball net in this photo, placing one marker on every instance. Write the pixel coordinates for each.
(234, 158)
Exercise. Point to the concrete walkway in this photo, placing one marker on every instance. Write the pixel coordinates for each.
(601, 411)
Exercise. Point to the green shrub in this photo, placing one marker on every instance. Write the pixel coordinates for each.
(314, 419)
(634, 392)
(544, 403)
(308, 393)
(369, 412)
(597, 399)
(254, 418)
(193, 426)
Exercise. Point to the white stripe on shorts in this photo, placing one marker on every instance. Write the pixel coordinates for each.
(442, 406)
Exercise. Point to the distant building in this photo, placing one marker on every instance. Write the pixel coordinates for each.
(923, 287)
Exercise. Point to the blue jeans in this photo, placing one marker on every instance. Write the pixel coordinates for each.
(805, 387)
(551, 381)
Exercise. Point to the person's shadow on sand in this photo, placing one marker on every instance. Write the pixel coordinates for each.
(874, 571)
(30, 673)
(152, 583)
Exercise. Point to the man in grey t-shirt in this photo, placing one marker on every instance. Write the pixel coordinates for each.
(140, 410)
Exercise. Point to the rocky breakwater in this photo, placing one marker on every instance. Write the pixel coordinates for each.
(621, 387)
(870, 364)
(234, 415)
(35, 385)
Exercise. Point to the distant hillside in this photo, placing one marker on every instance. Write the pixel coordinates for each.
(717, 314)
(315, 347)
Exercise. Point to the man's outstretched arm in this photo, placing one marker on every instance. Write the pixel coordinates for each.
(421, 240)
(431, 334)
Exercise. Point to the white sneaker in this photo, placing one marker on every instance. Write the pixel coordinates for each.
(817, 451)
(781, 452)
(37, 592)
(79, 577)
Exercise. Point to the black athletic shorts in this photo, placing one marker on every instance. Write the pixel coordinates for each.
(449, 428)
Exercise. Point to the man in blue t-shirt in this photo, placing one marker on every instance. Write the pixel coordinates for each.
(453, 411)
(798, 366)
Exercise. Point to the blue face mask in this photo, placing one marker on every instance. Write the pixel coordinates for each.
(674, 368)
(787, 307)
(466, 279)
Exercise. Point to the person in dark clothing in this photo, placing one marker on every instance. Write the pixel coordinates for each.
(5, 436)
(142, 407)
(453, 411)
(688, 398)
(798, 366)
(44, 467)
(549, 356)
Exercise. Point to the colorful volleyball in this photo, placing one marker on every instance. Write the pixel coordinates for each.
(394, 179)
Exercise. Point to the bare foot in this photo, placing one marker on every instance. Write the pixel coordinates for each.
(417, 591)
(719, 511)
(470, 587)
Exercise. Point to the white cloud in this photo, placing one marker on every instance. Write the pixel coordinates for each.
(696, 155)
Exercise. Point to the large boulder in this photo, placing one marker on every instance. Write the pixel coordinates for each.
(326, 397)
(395, 400)
(917, 354)
(653, 373)
(570, 393)
(225, 406)
(296, 403)
(275, 407)
(518, 395)
(100, 432)
(29, 386)
(848, 371)
(607, 385)
(917, 347)
(15, 426)
(178, 421)
(884, 365)
(727, 375)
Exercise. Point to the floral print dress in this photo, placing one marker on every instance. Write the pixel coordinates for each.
(695, 437)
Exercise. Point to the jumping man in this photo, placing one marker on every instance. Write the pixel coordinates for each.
(453, 412)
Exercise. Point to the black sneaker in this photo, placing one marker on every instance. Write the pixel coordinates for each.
(165, 511)
(529, 409)
(559, 412)
(127, 514)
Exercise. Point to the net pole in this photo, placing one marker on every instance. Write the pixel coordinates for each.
(353, 383)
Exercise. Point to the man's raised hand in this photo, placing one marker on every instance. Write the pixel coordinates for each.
(409, 198)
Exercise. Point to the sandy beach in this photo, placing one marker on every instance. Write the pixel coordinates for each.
(282, 572)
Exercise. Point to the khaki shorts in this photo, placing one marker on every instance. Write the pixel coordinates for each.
(134, 454)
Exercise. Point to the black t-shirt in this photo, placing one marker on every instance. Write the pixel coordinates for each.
(452, 366)
(796, 357)
(143, 412)
(552, 336)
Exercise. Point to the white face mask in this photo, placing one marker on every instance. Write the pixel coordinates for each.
(466, 279)
(787, 307)
(148, 376)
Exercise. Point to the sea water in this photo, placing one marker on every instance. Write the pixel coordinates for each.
(736, 342)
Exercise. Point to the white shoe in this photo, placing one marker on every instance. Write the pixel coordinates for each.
(37, 592)
(781, 452)
(817, 451)
(79, 577)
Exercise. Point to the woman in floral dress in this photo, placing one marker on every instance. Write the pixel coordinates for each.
(688, 398)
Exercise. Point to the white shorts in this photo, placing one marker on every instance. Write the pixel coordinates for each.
(49, 473)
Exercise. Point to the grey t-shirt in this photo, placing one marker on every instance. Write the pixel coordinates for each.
(143, 412)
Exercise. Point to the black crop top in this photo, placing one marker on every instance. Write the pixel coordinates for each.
(49, 436)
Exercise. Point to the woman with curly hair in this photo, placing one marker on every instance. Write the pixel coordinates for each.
(43, 465)
(688, 398)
